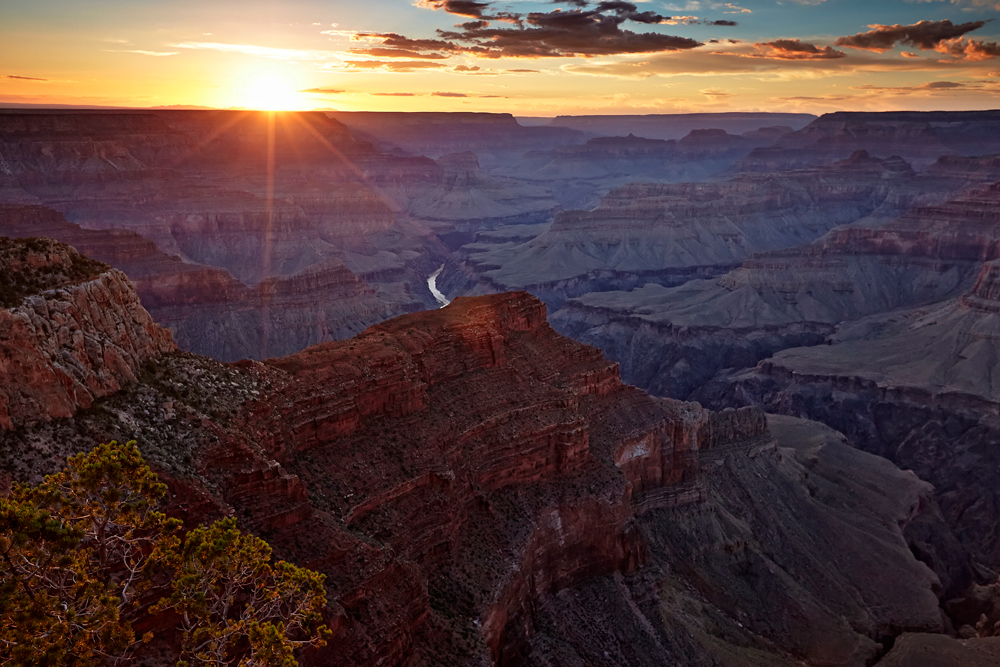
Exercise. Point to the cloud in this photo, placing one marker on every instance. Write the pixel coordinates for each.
(396, 45)
(23, 78)
(586, 30)
(449, 95)
(260, 51)
(967, 5)
(142, 52)
(394, 94)
(748, 59)
(929, 87)
(392, 65)
(715, 93)
(468, 8)
(323, 91)
(793, 49)
(969, 49)
(925, 35)
(467, 68)
(379, 52)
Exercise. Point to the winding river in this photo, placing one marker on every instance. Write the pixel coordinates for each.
(432, 286)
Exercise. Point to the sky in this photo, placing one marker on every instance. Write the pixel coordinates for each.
(529, 58)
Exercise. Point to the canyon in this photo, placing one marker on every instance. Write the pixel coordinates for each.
(713, 389)
(479, 489)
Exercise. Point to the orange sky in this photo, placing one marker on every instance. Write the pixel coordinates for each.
(519, 56)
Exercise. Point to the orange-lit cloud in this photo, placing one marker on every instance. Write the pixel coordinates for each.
(925, 35)
(793, 49)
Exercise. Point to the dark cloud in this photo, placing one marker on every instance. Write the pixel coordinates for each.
(524, 71)
(323, 91)
(23, 78)
(724, 22)
(561, 34)
(793, 49)
(383, 52)
(469, 8)
(394, 45)
(449, 95)
(587, 30)
(926, 35)
(467, 68)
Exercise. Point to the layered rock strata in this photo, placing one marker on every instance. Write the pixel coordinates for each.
(670, 341)
(917, 386)
(670, 234)
(463, 475)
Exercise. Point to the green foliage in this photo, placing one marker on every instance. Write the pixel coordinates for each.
(233, 601)
(84, 551)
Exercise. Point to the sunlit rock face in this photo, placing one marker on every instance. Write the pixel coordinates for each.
(72, 331)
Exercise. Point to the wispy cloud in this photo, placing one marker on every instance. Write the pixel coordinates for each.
(323, 91)
(143, 52)
(23, 78)
(261, 51)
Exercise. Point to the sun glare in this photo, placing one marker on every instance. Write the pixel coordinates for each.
(272, 93)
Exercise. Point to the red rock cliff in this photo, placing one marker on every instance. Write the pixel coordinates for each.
(63, 347)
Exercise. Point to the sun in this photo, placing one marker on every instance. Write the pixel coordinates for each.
(271, 93)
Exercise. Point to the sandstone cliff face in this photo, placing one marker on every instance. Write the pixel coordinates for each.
(462, 475)
(64, 347)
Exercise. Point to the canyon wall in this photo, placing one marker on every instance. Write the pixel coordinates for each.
(463, 475)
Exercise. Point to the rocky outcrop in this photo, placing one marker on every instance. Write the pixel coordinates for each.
(66, 344)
